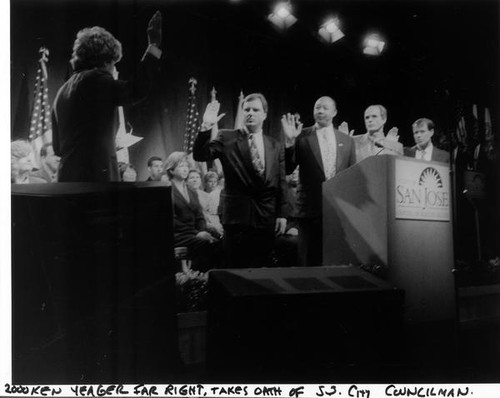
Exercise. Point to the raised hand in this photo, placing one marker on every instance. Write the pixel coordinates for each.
(206, 236)
(211, 115)
(154, 29)
(280, 226)
(344, 128)
(392, 134)
(291, 126)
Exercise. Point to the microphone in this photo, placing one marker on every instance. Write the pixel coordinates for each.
(378, 143)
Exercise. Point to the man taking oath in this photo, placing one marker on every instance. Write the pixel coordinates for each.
(254, 201)
(321, 151)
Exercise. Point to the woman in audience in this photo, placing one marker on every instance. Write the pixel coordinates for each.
(213, 188)
(190, 227)
(194, 181)
(213, 221)
(127, 172)
(21, 163)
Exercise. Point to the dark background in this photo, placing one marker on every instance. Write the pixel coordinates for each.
(439, 55)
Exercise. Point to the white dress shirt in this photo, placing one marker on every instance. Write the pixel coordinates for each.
(425, 154)
(328, 148)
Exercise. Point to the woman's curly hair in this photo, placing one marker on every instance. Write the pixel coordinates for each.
(93, 48)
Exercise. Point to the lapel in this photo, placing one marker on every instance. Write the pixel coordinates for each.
(340, 142)
(312, 140)
(243, 148)
(179, 196)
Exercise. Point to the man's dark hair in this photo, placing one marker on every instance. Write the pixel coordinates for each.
(424, 121)
(153, 159)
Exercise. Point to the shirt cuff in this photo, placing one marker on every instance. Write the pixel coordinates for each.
(154, 51)
(289, 143)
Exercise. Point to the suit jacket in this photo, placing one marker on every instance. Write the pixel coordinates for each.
(438, 155)
(247, 199)
(364, 148)
(306, 153)
(188, 216)
(85, 121)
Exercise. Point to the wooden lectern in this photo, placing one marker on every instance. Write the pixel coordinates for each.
(395, 212)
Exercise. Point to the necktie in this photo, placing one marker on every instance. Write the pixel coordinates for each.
(254, 154)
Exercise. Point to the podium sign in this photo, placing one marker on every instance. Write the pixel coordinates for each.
(422, 190)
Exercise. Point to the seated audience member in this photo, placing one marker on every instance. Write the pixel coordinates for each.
(190, 227)
(213, 189)
(127, 172)
(213, 221)
(211, 181)
(49, 164)
(375, 141)
(21, 162)
(194, 181)
(155, 167)
(423, 130)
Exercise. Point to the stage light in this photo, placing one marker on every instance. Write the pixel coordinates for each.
(374, 45)
(282, 10)
(330, 31)
(331, 27)
(282, 16)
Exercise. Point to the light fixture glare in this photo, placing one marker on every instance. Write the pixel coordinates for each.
(331, 27)
(282, 10)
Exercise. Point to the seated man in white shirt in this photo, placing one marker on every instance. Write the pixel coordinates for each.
(423, 130)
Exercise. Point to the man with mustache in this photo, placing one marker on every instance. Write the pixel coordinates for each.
(254, 201)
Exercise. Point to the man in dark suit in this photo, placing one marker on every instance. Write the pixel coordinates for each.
(85, 111)
(321, 151)
(423, 130)
(254, 201)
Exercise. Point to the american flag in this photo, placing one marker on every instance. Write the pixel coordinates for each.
(40, 127)
(192, 118)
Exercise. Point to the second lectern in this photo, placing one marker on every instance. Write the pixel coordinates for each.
(395, 213)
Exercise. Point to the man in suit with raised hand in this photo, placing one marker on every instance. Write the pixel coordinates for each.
(423, 130)
(254, 201)
(321, 151)
(375, 142)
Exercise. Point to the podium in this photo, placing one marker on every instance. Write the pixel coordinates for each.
(395, 212)
(93, 284)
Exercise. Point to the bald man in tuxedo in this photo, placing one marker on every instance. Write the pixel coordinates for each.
(321, 151)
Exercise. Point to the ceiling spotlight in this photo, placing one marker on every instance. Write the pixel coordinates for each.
(330, 31)
(282, 10)
(374, 45)
(282, 16)
(331, 26)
